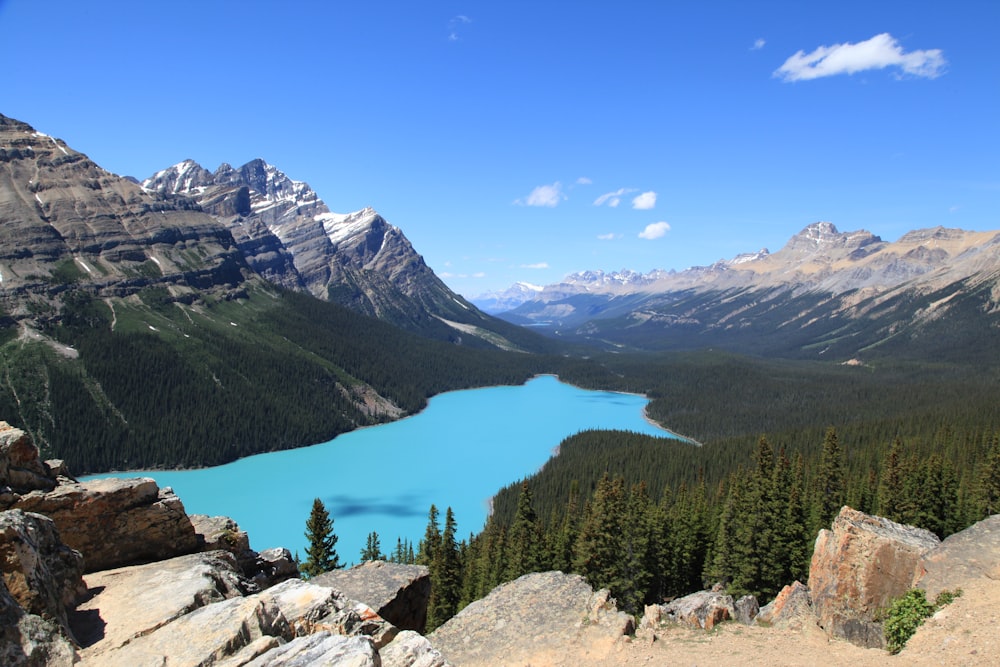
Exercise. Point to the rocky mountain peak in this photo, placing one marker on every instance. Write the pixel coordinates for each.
(823, 237)
(182, 178)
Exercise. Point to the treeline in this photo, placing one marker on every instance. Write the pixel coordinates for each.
(207, 386)
(649, 526)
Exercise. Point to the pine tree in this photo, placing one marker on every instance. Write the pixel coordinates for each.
(989, 481)
(373, 549)
(321, 556)
(890, 488)
(432, 537)
(830, 482)
(523, 538)
(446, 576)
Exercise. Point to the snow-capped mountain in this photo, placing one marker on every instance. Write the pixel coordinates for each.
(820, 286)
(290, 236)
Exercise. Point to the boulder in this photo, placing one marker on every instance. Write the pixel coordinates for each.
(116, 522)
(222, 533)
(704, 609)
(792, 608)
(204, 636)
(746, 609)
(411, 649)
(20, 467)
(322, 648)
(973, 553)
(273, 566)
(858, 567)
(133, 601)
(538, 614)
(398, 593)
(40, 572)
(28, 640)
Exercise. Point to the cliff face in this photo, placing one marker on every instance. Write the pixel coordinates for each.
(65, 222)
(290, 236)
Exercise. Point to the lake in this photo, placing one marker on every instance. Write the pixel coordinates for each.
(459, 451)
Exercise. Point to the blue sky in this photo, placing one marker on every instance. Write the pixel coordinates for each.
(528, 140)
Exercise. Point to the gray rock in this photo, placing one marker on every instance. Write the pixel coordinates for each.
(791, 608)
(133, 601)
(321, 649)
(116, 522)
(273, 566)
(973, 553)
(398, 593)
(704, 609)
(411, 649)
(538, 613)
(20, 467)
(746, 609)
(205, 636)
(28, 640)
(41, 573)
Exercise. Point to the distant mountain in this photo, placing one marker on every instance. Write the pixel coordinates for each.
(289, 236)
(825, 293)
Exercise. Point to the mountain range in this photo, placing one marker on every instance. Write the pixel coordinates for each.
(826, 294)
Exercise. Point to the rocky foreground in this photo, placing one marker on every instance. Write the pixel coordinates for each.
(114, 572)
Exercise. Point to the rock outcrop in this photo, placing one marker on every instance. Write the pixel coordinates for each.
(28, 640)
(858, 567)
(973, 553)
(41, 573)
(21, 471)
(399, 593)
(704, 609)
(537, 614)
(115, 522)
(791, 608)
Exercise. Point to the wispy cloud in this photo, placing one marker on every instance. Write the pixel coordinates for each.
(455, 24)
(612, 199)
(543, 195)
(583, 180)
(608, 237)
(654, 230)
(879, 52)
(645, 201)
(758, 44)
(539, 265)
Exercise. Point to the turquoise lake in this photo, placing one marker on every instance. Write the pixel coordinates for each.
(459, 451)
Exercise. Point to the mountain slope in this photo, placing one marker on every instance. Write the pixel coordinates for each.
(288, 235)
(826, 294)
(136, 333)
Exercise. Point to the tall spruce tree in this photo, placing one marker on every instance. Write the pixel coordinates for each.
(831, 486)
(431, 539)
(373, 549)
(446, 576)
(524, 539)
(321, 556)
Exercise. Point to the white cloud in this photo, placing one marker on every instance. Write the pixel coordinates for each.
(612, 199)
(879, 52)
(758, 44)
(655, 230)
(544, 195)
(583, 180)
(645, 201)
(539, 265)
(454, 24)
(608, 237)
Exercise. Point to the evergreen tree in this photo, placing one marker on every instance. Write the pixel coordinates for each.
(432, 537)
(890, 489)
(599, 545)
(373, 549)
(446, 576)
(564, 537)
(989, 481)
(523, 539)
(321, 556)
(830, 482)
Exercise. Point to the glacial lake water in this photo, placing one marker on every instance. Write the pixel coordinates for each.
(459, 451)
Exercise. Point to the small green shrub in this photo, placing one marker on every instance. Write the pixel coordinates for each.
(908, 612)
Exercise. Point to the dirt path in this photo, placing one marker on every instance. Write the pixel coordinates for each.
(966, 633)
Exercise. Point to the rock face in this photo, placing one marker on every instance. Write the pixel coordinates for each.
(20, 468)
(970, 554)
(553, 609)
(41, 573)
(704, 609)
(288, 235)
(64, 220)
(858, 567)
(791, 608)
(115, 522)
(28, 640)
(399, 593)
